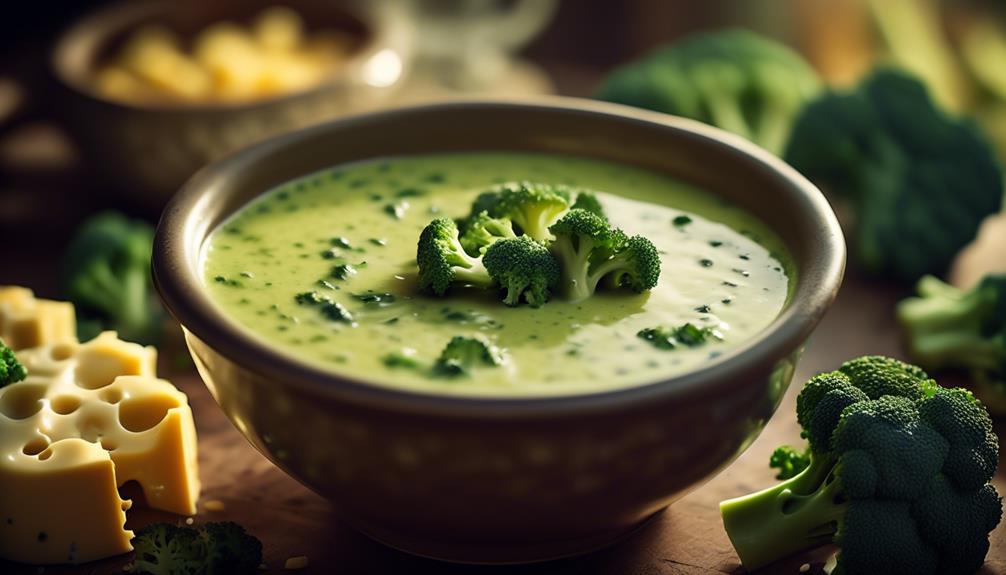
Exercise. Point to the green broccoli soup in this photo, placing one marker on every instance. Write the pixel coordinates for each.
(579, 276)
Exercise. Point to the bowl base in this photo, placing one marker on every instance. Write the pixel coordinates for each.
(501, 553)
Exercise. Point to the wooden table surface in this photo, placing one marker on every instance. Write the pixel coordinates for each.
(686, 539)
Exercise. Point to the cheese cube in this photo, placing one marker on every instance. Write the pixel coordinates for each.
(87, 419)
(28, 322)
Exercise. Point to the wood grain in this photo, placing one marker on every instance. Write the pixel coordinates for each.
(687, 539)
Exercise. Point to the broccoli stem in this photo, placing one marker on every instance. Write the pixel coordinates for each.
(946, 325)
(133, 312)
(722, 103)
(798, 514)
(774, 127)
(575, 263)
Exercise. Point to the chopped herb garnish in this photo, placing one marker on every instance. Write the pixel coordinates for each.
(397, 210)
(706, 263)
(336, 311)
(410, 193)
(688, 335)
(379, 241)
(681, 221)
(341, 242)
(343, 271)
(375, 298)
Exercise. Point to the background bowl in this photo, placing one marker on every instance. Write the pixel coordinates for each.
(145, 151)
(500, 480)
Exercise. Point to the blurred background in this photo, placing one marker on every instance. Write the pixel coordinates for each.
(115, 104)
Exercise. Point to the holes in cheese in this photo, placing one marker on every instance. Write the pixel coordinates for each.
(65, 404)
(73, 431)
(22, 401)
(35, 446)
(111, 395)
(143, 413)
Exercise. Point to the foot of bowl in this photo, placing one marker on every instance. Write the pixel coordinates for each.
(500, 553)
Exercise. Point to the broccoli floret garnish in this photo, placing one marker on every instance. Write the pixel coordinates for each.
(532, 207)
(634, 264)
(311, 298)
(465, 353)
(11, 370)
(105, 272)
(789, 461)
(920, 180)
(588, 201)
(733, 79)
(483, 230)
(443, 261)
(947, 327)
(524, 268)
(590, 250)
(898, 477)
(688, 335)
(223, 548)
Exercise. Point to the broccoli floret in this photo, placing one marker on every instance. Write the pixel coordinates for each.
(920, 181)
(688, 335)
(586, 200)
(230, 549)
(465, 353)
(166, 549)
(524, 268)
(443, 261)
(105, 272)
(898, 477)
(222, 548)
(789, 460)
(732, 79)
(590, 250)
(947, 327)
(634, 263)
(532, 207)
(483, 230)
(11, 370)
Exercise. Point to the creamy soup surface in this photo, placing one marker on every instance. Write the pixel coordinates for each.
(721, 268)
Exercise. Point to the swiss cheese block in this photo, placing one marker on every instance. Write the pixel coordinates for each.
(29, 322)
(88, 418)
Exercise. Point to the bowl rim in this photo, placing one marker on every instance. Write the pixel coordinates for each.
(381, 23)
(181, 287)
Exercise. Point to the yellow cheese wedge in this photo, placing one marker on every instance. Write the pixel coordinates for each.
(28, 322)
(89, 418)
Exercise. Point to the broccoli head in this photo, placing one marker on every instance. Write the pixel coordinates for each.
(947, 327)
(483, 230)
(222, 548)
(465, 353)
(590, 250)
(443, 261)
(524, 268)
(166, 549)
(230, 549)
(898, 477)
(920, 181)
(587, 200)
(531, 206)
(105, 272)
(733, 79)
(11, 370)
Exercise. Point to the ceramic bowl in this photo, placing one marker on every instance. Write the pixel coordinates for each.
(501, 480)
(146, 151)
